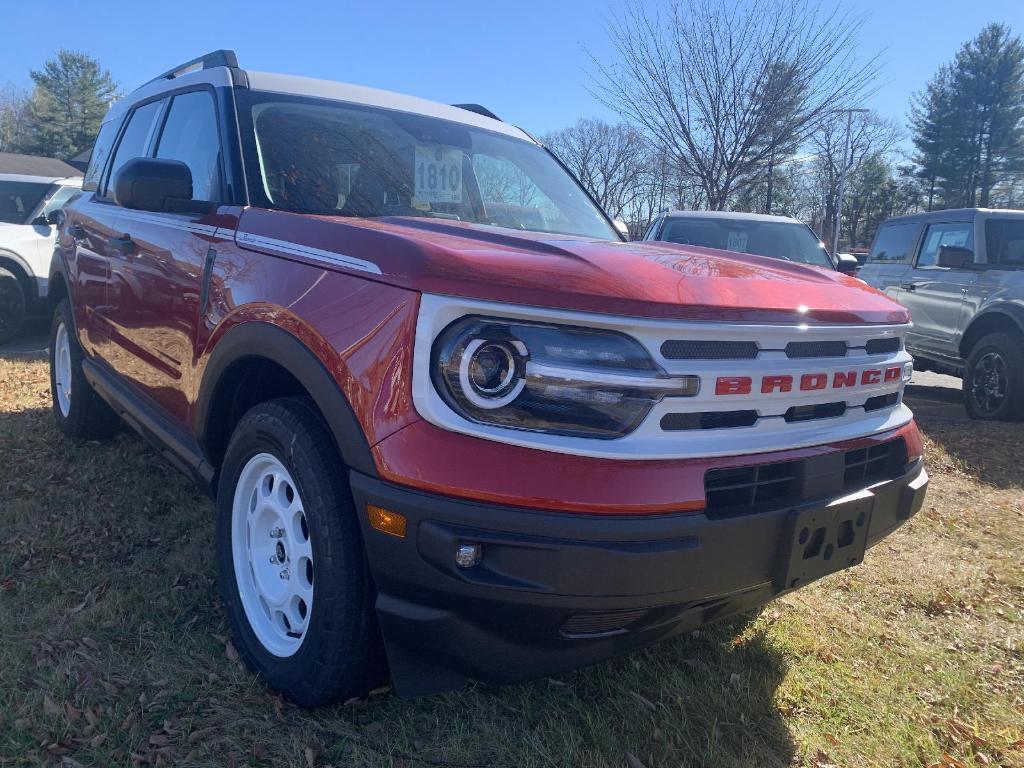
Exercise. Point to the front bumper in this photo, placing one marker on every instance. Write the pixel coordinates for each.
(556, 591)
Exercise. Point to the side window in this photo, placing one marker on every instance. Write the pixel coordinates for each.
(893, 243)
(135, 139)
(1004, 242)
(649, 234)
(100, 153)
(60, 198)
(190, 135)
(960, 233)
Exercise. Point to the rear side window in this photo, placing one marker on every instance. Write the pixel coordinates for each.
(60, 198)
(960, 234)
(894, 243)
(190, 135)
(100, 153)
(18, 199)
(1004, 242)
(135, 139)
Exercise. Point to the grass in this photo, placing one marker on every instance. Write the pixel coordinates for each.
(113, 647)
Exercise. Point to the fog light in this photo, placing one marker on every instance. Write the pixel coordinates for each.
(468, 555)
(386, 521)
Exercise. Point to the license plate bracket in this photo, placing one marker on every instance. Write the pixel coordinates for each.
(820, 541)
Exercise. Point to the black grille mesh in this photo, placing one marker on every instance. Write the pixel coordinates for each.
(882, 346)
(803, 349)
(682, 349)
(745, 490)
(878, 402)
(678, 422)
(600, 622)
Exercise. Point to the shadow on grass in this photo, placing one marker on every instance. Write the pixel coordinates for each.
(988, 450)
(30, 343)
(110, 576)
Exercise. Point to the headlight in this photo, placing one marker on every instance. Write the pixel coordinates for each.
(550, 378)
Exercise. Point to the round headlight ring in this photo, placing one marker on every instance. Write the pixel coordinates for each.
(491, 373)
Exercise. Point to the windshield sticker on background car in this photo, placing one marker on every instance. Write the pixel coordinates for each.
(737, 241)
(438, 175)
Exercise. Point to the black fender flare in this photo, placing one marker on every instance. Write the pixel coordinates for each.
(27, 278)
(257, 339)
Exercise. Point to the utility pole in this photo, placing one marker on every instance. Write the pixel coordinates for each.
(847, 161)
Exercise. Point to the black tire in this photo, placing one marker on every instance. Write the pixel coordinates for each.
(12, 306)
(340, 655)
(88, 416)
(994, 378)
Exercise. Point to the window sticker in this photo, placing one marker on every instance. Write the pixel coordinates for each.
(437, 175)
(737, 241)
(956, 237)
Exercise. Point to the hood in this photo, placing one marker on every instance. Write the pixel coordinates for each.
(641, 279)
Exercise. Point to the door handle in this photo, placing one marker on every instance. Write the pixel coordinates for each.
(124, 244)
(907, 285)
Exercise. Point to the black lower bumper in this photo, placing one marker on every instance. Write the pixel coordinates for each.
(556, 591)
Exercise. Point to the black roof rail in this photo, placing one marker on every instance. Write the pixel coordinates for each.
(220, 58)
(479, 110)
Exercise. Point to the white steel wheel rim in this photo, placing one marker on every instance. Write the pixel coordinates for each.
(62, 369)
(272, 555)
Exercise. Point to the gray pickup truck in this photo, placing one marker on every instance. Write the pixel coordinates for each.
(961, 275)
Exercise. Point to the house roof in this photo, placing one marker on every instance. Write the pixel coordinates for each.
(32, 165)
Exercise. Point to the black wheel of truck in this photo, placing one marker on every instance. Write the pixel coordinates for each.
(12, 306)
(79, 412)
(293, 575)
(994, 378)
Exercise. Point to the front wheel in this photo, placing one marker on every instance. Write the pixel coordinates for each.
(293, 576)
(994, 378)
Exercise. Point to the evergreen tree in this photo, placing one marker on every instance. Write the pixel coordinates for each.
(969, 123)
(72, 94)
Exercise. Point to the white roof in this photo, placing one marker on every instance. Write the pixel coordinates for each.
(323, 89)
(64, 181)
(374, 97)
(734, 215)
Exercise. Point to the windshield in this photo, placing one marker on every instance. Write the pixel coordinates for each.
(330, 157)
(779, 239)
(18, 199)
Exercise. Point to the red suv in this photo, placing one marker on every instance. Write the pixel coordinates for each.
(454, 425)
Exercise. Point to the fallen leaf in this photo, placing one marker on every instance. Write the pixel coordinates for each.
(633, 761)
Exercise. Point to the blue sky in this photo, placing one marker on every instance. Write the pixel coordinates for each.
(527, 61)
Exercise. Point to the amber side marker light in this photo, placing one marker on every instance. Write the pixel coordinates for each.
(386, 521)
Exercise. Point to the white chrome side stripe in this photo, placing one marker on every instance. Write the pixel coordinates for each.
(174, 221)
(340, 259)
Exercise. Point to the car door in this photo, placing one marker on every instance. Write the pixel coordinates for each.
(890, 256)
(157, 269)
(935, 295)
(94, 220)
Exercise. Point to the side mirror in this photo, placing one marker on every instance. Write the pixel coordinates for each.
(622, 228)
(955, 257)
(847, 264)
(56, 217)
(148, 184)
(40, 221)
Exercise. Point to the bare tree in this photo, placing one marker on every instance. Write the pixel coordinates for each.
(870, 135)
(724, 87)
(14, 108)
(609, 160)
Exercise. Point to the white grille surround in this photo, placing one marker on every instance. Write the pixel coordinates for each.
(649, 441)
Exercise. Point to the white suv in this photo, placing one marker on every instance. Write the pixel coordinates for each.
(26, 242)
